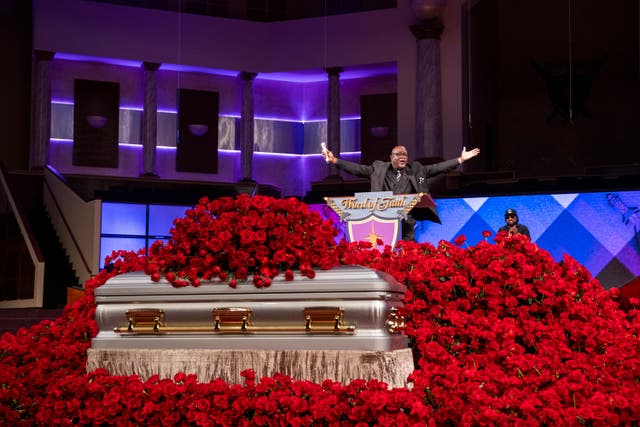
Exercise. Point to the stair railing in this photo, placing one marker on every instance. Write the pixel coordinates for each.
(26, 289)
(76, 221)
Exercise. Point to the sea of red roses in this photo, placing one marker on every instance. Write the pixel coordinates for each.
(502, 335)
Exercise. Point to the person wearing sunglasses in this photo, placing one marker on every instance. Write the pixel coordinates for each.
(401, 176)
(512, 226)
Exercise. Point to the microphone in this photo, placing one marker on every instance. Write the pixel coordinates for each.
(325, 151)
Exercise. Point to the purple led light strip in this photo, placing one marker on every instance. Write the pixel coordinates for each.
(300, 76)
(125, 145)
(235, 116)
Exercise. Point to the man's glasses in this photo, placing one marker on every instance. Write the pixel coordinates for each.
(510, 216)
(400, 154)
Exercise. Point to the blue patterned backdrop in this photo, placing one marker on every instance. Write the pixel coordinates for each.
(599, 230)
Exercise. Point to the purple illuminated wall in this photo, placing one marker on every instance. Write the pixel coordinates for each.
(290, 119)
(292, 174)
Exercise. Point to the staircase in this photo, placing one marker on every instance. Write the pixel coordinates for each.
(58, 271)
(27, 190)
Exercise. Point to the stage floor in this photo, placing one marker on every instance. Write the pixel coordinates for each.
(12, 319)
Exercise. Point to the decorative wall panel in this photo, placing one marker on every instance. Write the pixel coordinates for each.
(197, 131)
(96, 123)
(378, 126)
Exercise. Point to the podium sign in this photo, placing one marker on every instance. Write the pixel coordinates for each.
(374, 217)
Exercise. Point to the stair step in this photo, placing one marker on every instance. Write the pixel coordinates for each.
(58, 272)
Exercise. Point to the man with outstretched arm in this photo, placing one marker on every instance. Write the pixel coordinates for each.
(401, 176)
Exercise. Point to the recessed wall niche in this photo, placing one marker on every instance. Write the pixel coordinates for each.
(197, 147)
(378, 126)
(95, 123)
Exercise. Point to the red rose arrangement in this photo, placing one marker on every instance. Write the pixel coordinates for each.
(233, 239)
(502, 335)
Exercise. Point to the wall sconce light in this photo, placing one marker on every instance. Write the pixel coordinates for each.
(197, 129)
(97, 121)
(380, 131)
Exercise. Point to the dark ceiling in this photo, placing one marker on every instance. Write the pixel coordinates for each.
(260, 10)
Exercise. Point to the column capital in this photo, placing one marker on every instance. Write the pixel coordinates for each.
(428, 9)
(150, 66)
(247, 75)
(43, 55)
(334, 71)
(428, 29)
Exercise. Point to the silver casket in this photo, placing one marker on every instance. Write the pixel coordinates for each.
(341, 325)
(345, 308)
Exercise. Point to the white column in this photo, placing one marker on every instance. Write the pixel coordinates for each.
(333, 114)
(41, 111)
(428, 88)
(150, 118)
(246, 125)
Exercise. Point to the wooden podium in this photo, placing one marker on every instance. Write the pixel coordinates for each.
(376, 217)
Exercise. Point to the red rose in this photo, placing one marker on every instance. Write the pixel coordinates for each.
(460, 240)
(288, 275)
(248, 375)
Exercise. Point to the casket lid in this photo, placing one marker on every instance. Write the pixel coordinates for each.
(341, 279)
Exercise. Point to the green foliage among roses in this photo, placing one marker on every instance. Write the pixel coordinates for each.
(502, 335)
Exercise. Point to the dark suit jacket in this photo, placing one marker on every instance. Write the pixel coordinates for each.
(522, 229)
(417, 173)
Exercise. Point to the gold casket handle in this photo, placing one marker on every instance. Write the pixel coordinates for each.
(325, 319)
(236, 320)
(231, 318)
(144, 318)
